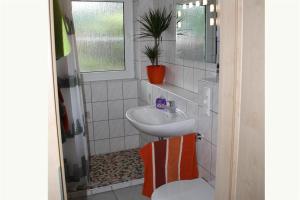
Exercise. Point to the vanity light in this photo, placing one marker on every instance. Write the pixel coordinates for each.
(179, 13)
(184, 6)
(211, 21)
(197, 3)
(179, 24)
(204, 2)
(212, 8)
(190, 4)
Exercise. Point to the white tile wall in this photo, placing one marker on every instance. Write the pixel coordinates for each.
(87, 92)
(117, 144)
(102, 146)
(132, 141)
(170, 74)
(115, 90)
(199, 65)
(203, 87)
(129, 129)
(88, 112)
(204, 154)
(193, 112)
(99, 91)
(140, 7)
(198, 75)
(178, 75)
(92, 147)
(106, 105)
(214, 131)
(213, 160)
(101, 130)
(116, 128)
(211, 75)
(90, 130)
(205, 123)
(115, 109)
(204, 173)
(130, 103)
(130, 89)
(192, 109)
(143, 90)
(100, 111)
(215, 102)
(212, 180)
(188, 81)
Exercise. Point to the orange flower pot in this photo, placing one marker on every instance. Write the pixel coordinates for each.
(156, 74)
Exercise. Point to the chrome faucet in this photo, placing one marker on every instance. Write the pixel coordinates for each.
(171, 108)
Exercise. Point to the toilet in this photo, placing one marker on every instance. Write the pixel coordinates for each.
(196, 189)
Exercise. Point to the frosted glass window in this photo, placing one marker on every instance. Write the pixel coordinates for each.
(99, 31)
(190, 37)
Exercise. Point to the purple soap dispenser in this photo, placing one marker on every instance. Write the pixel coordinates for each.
(160, 102)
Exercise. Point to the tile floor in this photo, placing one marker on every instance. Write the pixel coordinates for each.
(117, 167)
(129, 193)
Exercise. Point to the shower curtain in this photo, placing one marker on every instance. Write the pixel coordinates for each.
(73, 126)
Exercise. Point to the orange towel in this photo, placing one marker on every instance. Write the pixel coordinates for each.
(169, 160)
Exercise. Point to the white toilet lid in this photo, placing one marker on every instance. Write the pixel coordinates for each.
(196, 189)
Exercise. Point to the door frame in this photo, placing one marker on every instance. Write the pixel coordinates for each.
(56, 172)
(230, 20)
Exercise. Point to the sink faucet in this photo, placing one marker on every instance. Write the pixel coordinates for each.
(171, 108)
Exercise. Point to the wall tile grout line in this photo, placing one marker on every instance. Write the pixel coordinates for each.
(123, 113)
(91, 117)
(108, 117)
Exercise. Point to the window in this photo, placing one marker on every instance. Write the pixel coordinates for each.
(104, 37)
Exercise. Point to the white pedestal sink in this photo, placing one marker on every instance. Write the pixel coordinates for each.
(160, 123)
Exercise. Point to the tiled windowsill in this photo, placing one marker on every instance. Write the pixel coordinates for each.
(183, 93)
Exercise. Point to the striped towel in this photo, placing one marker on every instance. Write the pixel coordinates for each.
(169, 160)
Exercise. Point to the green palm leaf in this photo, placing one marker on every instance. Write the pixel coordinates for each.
(152, 53)
(153, 24)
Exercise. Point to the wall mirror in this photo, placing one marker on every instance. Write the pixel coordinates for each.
(197, 40)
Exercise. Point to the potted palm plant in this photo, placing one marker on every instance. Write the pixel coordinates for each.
(153, 24)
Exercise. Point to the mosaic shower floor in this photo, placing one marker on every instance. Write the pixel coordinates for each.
(117, 167)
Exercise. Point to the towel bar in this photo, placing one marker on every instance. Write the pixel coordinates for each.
(199, 136)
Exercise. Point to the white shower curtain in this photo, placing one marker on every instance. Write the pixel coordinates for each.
(75, 150)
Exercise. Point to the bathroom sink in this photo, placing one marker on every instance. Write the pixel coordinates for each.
(160, 123)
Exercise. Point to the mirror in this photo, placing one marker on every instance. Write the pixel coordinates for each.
(196, 33)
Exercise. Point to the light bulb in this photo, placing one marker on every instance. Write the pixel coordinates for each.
(190, 4)
(184, 6)
(197, 3)
(211, 21)
(179, 13)
(212, 8)
(204, 2)
(179, 24)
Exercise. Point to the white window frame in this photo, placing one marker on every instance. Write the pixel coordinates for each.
(129, 51)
